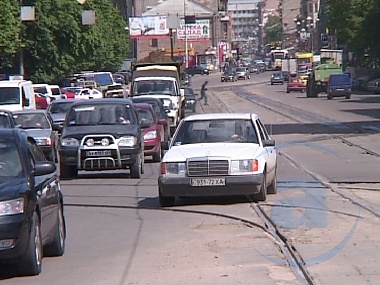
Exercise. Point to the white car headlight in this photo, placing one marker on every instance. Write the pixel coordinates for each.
(43, 141)
(12, 207)
(127, 141)
(90, 142)
(150, 135)
(176, 168)
(245, 165)
(69, 142)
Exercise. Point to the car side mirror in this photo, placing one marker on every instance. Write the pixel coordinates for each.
(44, 167)
(269, 143)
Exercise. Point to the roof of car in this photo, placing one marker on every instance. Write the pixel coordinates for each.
(219, 116)
(145, 99)
(101, 101)
(30, 111)
(143, 106)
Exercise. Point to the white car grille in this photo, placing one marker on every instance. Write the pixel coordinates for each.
(207, 167)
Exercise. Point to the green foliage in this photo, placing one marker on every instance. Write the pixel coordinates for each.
(57, 44)
(357, 24)
(273, 29)
(10, 25)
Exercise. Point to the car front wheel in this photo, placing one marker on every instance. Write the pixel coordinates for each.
(57, 247)
(31, 263)
(137, 167)
(262, 195)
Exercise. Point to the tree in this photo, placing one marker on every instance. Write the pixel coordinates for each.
(273, 30)
(57, 44)
(10, 26)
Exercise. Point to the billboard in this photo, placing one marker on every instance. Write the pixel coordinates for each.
(200, 31)
(148, 27)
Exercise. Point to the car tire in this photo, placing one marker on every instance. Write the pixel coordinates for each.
(31, 263)
(271, 83)
(57, 246)
(272, 188)
(262, 195)
(136, 168)
(166, 201)
(329, 97)
(193, 109)
(68, 171)
(287, 91)
(157, 156)
(348, 96)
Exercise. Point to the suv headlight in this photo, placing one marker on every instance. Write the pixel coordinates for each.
(127, 141)
(173, 168)
(150, 135)
(69, 142)
(245, 165)
(12, 207)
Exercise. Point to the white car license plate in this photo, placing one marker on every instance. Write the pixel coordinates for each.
(98, 153)
(208, 182)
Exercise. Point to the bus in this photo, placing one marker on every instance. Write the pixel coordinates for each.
(278, 55)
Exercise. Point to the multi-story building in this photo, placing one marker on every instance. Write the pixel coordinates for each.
(245, 22)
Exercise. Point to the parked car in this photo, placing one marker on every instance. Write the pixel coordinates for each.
(197, 69)
(218, 155)
(190, 99)
(6, 119)
(32, 222)
(277, 77)
(241, 73)
(229, 75)
(102, 134)
(374, 86)
(161, 111)
(58, 110)
(39, 125)
(340, 84)
(153, 133)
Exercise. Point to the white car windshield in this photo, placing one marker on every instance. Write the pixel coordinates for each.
(164, 87)
(216, 131)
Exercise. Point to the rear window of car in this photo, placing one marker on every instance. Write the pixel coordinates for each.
(340, 79)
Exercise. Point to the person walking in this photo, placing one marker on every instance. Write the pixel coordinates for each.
(203, 92)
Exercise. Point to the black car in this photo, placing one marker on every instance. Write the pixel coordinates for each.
(161, 111)
(197, 69)
(102, 134)
(32, 223)
(39, 125)
(185, 79)
(58, 110)
(229, 75)
(190, 99)
(6, 119)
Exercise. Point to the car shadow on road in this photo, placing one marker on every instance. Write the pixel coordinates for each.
(153, 203)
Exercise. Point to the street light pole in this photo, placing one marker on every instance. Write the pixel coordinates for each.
(186, 49)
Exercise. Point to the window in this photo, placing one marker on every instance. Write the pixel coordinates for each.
(36, 151)
(311, 7)
(154, 42)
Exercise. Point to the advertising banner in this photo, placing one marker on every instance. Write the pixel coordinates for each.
(148, 27)
(200, 31)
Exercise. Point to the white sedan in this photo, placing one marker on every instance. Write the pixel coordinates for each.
(219, 155)
(88, 93)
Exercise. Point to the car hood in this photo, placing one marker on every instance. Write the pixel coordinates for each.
(226, 150)
(39, 133)
(118, 131)
(10, 187)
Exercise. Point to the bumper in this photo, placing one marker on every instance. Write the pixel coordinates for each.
(234, 185)
(14, 228)
(120, 158)
(152, 147)
(277, 81)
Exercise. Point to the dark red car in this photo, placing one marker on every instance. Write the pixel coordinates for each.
(154, 134)
(42, 100)
(295, 85)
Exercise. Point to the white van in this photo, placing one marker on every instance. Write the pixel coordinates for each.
(16, 95)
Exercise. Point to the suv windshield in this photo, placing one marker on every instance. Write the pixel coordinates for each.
(9, 95)
(104, 114)
(340, 79)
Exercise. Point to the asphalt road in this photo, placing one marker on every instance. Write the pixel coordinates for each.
(326, 206)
